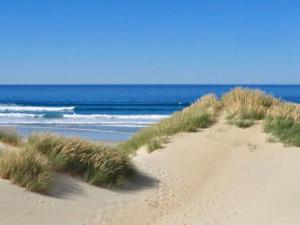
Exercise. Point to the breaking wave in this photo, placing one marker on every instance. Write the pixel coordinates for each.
(77, 119)
(17, 108)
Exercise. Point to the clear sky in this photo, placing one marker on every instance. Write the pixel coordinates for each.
(148, 41)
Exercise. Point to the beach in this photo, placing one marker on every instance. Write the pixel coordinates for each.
(220, 175)
(149, 112)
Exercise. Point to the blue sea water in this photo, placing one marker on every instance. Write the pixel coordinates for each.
(105, 112)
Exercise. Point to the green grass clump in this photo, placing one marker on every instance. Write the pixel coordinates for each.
(26, 168)
(241, 123)
(10, 136)
(283, 121)
(285, 129)
(98, 164)
(201, 114)
(156, 143)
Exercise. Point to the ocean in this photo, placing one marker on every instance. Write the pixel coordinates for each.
(105, 112)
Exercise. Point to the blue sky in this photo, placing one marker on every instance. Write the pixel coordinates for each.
(147, 41)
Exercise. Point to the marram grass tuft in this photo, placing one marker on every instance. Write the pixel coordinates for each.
(200, 114)
(26, 168)
(10, 136)
(245, 103)
(98, 164)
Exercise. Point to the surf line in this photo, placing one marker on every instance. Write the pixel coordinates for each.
(70, 128)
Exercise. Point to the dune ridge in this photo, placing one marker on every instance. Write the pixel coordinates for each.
(221, 175)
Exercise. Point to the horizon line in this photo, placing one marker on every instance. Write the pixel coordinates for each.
(147, 84)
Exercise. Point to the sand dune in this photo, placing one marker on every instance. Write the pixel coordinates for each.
(221, 175)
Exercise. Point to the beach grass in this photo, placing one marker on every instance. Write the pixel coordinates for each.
(97, 163)
(288, 131)
(200, 114)
(283, 121)
(26, 168)
(10, 136)
(247, 104)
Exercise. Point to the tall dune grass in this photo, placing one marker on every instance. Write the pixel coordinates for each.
(283, 121)
(98, 164)
(10, 136)
(200, 114)
(243, 106)
(243, 103)
(286, 110)
(26, 168)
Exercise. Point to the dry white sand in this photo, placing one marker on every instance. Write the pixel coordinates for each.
(222, 175)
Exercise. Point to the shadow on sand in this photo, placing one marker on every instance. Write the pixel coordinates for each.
(66, 186)
(138, 182)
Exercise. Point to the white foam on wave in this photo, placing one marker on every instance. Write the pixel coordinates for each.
(17, 108)
(75, 119)
(121, 117)
(19, 115)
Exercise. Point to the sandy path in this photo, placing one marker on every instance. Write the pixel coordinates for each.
(221, 175)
